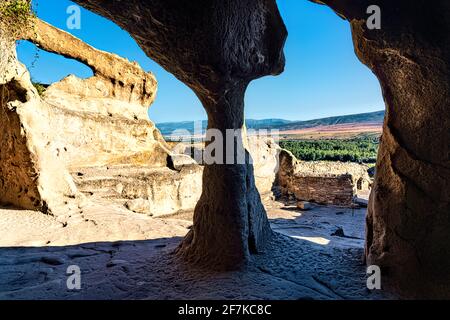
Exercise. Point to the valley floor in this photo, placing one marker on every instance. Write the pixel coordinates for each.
(125, 255)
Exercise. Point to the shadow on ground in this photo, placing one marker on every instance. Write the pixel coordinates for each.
(289, 269)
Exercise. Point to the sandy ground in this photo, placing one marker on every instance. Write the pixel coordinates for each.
(124, 255)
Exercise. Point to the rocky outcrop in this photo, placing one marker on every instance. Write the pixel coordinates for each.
(30, 176)
(97, 129)
(408, 219)
(323, 182)
(101, 120)
(160, 190)
(265, 155)
(101, 134)
(239, 41)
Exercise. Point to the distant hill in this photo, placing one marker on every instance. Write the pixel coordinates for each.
(168, 128)
(266, 123)
(361, 118)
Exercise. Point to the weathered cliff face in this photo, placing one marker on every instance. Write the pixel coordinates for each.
(408, 219)
(215, 47)
(30, 176)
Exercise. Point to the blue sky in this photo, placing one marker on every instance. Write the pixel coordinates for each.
(323, 77)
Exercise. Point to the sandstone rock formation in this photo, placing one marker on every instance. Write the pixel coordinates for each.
(101, 120)
(323, 182)
(104, 118)
(97, 129)
(30, 176)
(216, 48)
(266, 156)
(101, 133)
(165, 191)
(408, 221)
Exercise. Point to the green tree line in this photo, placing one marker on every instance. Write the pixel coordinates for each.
(362, 150)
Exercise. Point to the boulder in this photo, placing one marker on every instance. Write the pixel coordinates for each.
(95, 128)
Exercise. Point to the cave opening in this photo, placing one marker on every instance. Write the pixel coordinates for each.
(407, 221)
(332, 160)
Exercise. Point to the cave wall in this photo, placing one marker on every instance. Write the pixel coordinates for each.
(335, 191)
(408, 221)
(408, 217)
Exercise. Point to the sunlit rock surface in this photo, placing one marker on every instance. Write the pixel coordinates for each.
(31, 176)
(97, 129)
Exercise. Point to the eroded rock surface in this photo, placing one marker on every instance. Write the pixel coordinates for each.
(264, 152)
(265, 155)
(97, 129)
(239, 41)
(30, 176)
(101, 120)
(408, 219)
(126, 255)
(165, 191)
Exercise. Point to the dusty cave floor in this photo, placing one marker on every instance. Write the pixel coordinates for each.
(125, 255)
